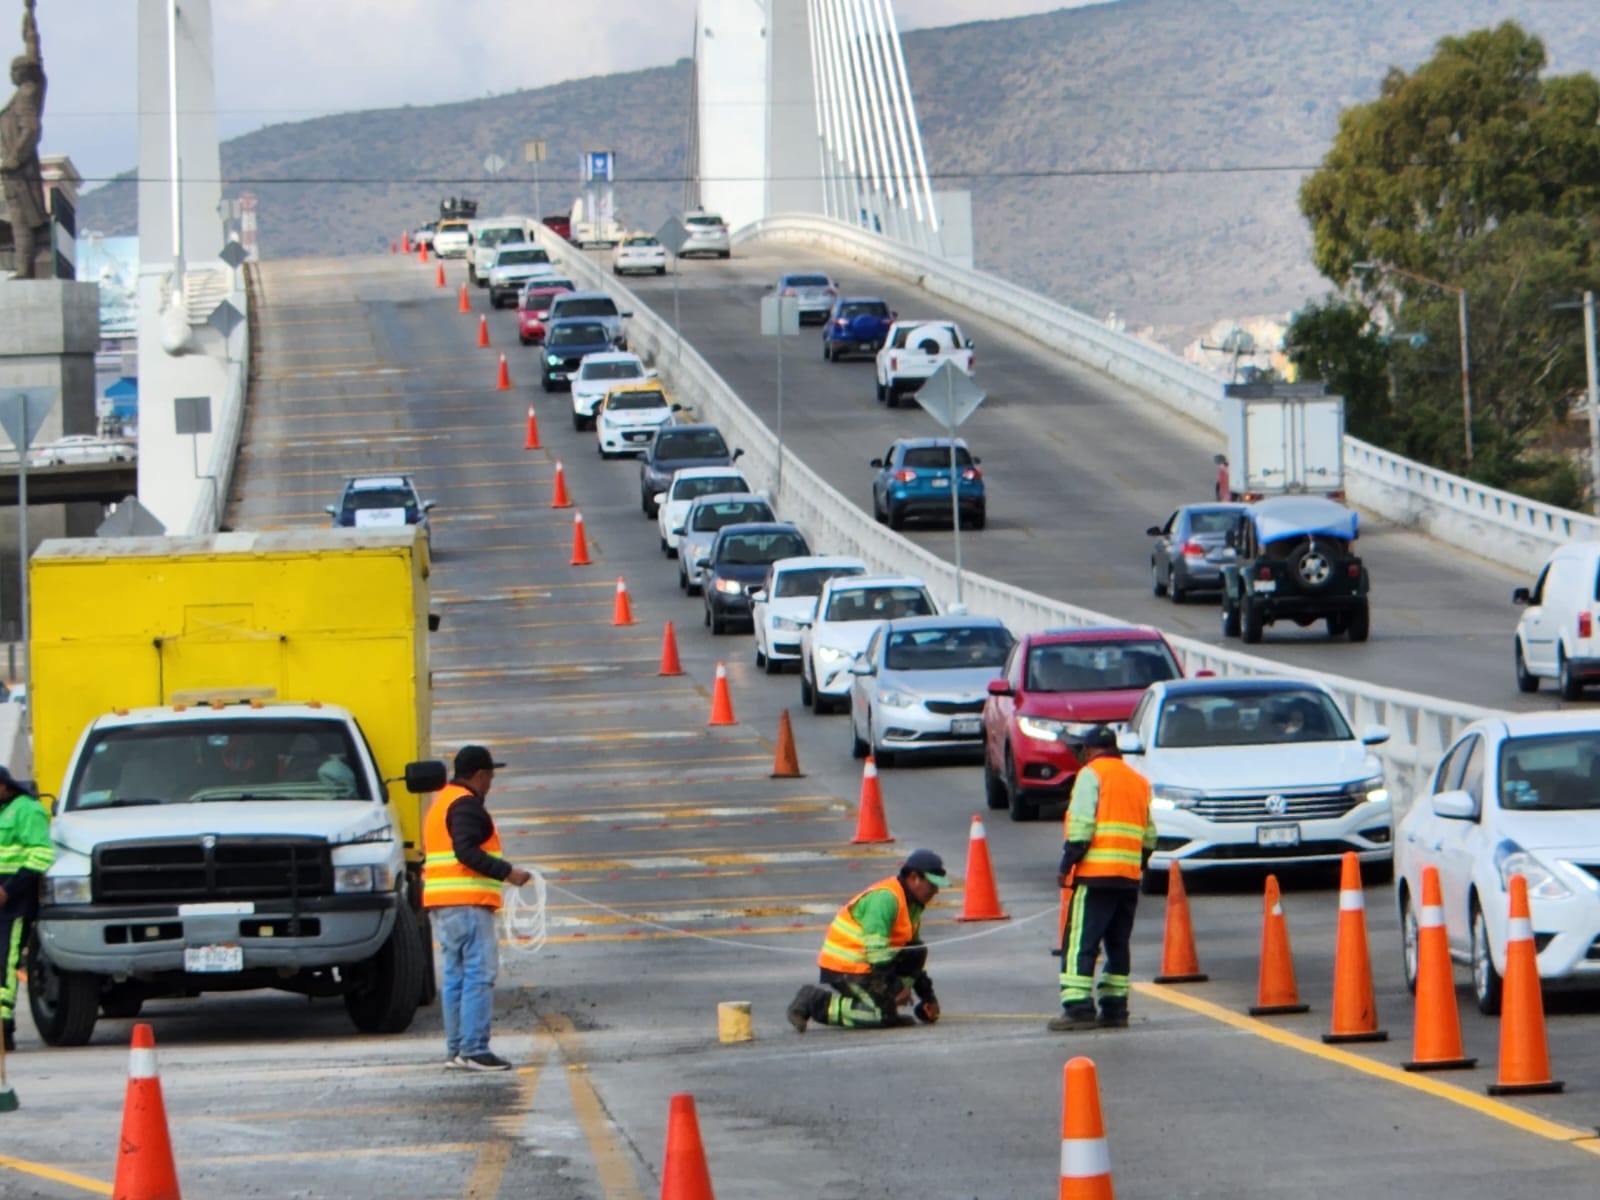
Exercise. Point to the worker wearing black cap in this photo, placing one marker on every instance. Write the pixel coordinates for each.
(873, 959)
(1110, 835)
(462, 870)
(26, 853)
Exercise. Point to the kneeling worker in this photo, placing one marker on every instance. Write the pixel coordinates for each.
(872, 958)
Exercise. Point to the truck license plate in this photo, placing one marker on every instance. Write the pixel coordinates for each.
(966, 726)
(213, 960)
(1277, 835)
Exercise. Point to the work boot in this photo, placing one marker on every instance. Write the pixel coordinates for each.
(9, 1032)
(802, 1006)
(1114, 1014)
(1074, 1018)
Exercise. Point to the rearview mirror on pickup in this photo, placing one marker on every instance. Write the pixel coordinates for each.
(427, 776)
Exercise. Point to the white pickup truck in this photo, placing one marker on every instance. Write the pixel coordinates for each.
(913, 350)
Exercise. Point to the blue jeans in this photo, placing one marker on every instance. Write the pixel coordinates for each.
(471, 958)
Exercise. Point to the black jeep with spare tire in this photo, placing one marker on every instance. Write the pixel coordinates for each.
(1289, 558)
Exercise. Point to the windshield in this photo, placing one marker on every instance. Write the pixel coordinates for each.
(190, 762)
(612, 370)
(707, 219)
(808, 581)
(641, 241)
(531, 255)
(696, 443)
(451, 227)
(599, 306)
(617, 401)
(760, 549)
(380, 498)
(1250, 718)
(578, 335)
(1098, 666)
(864, 308)
(935, 458)
(697, 486)
(547, 287)
(951, 649)
(878, 604)
(1551, 772)
(807, 281)
(731, 512)
(504, 233)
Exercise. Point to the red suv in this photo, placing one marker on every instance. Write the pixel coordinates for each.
(1058, 685)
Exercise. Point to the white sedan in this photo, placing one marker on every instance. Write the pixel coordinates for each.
(1515, 795)
(83, 448)
(639, 252)
(848, 610)
(629, 416)
(688, 485)
(596, 375)
(784, 604)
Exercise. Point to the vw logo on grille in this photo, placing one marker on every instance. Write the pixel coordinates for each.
(1277, 805)
(209, 841)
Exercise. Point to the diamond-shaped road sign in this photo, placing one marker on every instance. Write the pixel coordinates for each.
(780, 316)
(672, 235)
(950, 396)
(131, 519)
(225, 318)
(22, 412)
(233, 254)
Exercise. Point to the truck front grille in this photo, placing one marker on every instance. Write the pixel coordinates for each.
(189, 870)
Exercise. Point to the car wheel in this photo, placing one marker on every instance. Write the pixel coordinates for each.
(665, 548)
(600, 448)
(858, 745)
(821, 705)
(1230, 618)
(1178, 593)
(717, 622)
(994, 788)
(827, 351)
(896, 518)
(1022, 809)
(1250, 622)
(1570, 685)
(878, 514)
(761, 659)
(651, 509)
(1154, 881)
(1526, 680)
(1338, 625)
(1158, 586)
(1359, 624)
(882, 396)
(683, 579)
(544, 384)
(1486, 982)
(891, 397)
(774, 666)
(980, 518)
(524, 339)
(806, 690)
(1410, 940)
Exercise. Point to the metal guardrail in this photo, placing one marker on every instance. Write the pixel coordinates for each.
(1488, 522)
(1421, 727)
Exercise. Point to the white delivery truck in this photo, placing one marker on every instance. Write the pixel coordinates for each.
(1284, 439)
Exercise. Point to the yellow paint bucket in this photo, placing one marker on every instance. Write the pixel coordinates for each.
(733, 1021)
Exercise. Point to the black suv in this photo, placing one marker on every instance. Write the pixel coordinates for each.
(674, 448)
(1289, 558)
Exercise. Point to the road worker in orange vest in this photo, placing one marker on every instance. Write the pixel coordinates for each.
(1110, 835)
(873, 960)
(462, 870)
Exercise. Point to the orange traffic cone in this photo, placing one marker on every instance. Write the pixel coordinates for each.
(1085, 1158)
(1436, 1035)
(532, 440)
(422, 254)
(1277, 994)
(1355, 1009)
(560, 499)
(685, 1175)
(622, 611)
(1179, 962)
(1524, 1048)
(502, 382)
(786, 762)
(483, 333)
(871, 825)
(405, 242)
(669, 653)
(463, 303)
(438, 280)
(980, 899)
(145, 1168)
(580, 544)
(721, 701)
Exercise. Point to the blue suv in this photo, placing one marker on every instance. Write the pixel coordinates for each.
(857, 325)
(913, 480)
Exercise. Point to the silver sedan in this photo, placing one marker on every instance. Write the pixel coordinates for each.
(920, 685)
(1178, 562)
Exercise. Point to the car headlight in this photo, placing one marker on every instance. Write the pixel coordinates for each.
(363, 879)
(1372, 790)
(553, 359)
(891, 698)
(1041, 729)
(787, 624)
(730, 587)
(67, 889)
(1168, 798)
(1511, 859)
(832, 654)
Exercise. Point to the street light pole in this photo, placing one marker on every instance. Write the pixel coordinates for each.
(1594, 393)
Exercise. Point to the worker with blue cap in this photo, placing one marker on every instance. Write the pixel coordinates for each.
(873, 960)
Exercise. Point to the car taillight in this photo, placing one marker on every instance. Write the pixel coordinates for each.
(1264, 572)
(843, 323)
(1353, 570)
(787, 292)
(972, 474)
(894, 362)
(1585, 625)
(905, 476)
(1192, 549)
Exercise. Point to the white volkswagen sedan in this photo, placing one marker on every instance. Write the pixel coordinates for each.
(688, 485)
(783, 605)
(848, 610)
(1517, 795)
(1257, 772)
(639, 252)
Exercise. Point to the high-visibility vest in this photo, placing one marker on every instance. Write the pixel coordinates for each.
(446, 880)
(1123, 814)
(845, 947)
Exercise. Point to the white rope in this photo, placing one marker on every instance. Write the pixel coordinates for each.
(522, 916)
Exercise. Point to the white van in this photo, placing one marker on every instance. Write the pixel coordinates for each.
(1558, 636)
(487, 234)
(588, 232)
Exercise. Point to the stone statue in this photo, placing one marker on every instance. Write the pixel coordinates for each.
(21, 123)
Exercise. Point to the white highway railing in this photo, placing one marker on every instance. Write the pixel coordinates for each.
(1421, 727)
(1488, 522)
(211, 496)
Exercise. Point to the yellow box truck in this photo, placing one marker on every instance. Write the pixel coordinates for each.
(236, 731)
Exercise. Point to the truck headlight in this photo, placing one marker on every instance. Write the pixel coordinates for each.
(1167, 798)
(363, 879)
(1041, 729)
(67, 889)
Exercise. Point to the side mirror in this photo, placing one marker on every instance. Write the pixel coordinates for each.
(804, 622)
(894, 316)
(703, 563)
(970, 345)
(758, 595)
(1153, 531)
(877, 462)
(330, 509)
(1220, 459)
(652, 373)
(1455, 806)
(427, 505)
(677, 408)
(658, 500)
(1521, 596)
(1374, 735)
(1129, 742)
(679, 530)
(862, 668)
(626, 315)
(1000, 687)
(734, 457)
(434, 621)
(424, 777)
(976, 461)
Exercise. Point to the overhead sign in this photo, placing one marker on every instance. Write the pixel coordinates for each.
(534, 150)
(599, 165)
(950, 396)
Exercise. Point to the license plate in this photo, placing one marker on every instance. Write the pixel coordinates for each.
(213, 960)
(637, 437)
(1277, 835)
(558, 374)
(1265, 585)
(966, 726)
(941, 482)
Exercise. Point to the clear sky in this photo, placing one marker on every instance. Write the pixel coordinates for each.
(286, 60)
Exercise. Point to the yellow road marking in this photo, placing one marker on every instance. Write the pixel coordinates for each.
(488, 1172)
(82, 1182)
(1506, 1114)
(613, 1168)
